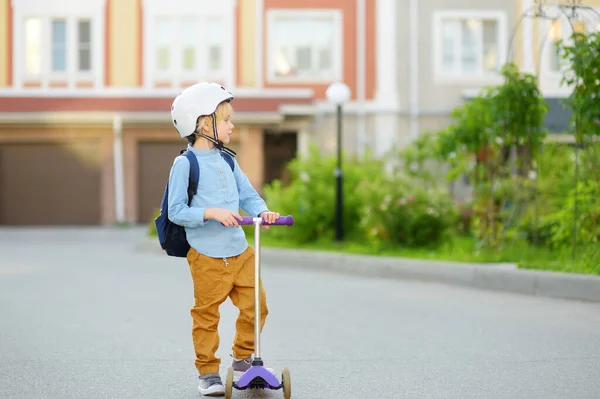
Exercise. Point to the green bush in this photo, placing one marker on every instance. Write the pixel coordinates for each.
(382, 208)
(551, 186)
(402, 213)
(587, 223)
(310, 197)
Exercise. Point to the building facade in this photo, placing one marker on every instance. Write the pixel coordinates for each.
(86, 86)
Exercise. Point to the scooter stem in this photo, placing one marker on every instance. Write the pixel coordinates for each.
(257, 224)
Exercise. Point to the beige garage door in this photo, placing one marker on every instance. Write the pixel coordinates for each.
(155, 161)
(50, 184)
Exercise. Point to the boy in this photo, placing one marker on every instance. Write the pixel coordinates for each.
(220, 259)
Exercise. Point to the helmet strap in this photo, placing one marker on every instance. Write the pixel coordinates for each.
(218, 143)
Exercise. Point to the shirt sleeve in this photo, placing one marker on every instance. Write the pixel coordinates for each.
(250, 201)
(179, 211)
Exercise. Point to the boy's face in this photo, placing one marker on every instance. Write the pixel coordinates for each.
(225, 127)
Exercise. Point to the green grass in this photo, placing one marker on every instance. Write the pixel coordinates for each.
(460, 249)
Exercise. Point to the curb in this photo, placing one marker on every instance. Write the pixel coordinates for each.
(495, 276)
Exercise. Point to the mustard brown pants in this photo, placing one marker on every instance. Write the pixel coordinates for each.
(215, 280)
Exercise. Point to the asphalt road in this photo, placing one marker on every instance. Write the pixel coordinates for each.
(84, 314)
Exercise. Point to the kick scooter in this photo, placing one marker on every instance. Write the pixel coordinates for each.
(257, 376)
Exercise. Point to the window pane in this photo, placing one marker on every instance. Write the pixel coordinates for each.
(85, 47)
(214, 40)
(303, 58)
(555, 35)
(450, 37)
(304, 46)
(469, 31)
(33, 34)
(84, 60)
(84, 32)
(162, 58)
(59, 45)
(490, 46)
(189, 39)
(162, 39)
(214, 57)
(189, 61)
(325, 59)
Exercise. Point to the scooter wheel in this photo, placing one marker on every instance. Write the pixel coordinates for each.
(229, 383)
(287, 383)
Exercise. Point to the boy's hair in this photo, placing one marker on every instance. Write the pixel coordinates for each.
(220, 113)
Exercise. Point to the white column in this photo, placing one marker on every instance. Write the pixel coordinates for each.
(303, 141)
(98, 56)
(232, 54)
(387, 63)
(414, 68)
(72, 44)
(119, 170)
(527, 38)
(386, 120)
(361, 74)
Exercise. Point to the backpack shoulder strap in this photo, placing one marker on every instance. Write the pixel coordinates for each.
(194, 175)
(229, 160)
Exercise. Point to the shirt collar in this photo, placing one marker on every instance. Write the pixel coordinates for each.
(202, 153)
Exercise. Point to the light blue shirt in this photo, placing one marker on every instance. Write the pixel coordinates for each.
(218, 187)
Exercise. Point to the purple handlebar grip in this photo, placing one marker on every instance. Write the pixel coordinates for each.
(282, 221)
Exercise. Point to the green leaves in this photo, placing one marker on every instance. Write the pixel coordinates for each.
(582, 55)
(499, 130)
(382, 208)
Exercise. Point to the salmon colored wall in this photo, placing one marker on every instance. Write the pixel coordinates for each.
(349, 42)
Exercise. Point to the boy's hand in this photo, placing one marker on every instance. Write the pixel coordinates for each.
(224, 216)
(269, 217)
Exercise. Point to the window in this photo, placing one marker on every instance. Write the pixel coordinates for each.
(469, 44)
(58, 44)
(33, 46)
(561, 29)
(186, 41)
(189, 47)
(85, 45)
(305, 45)
(62, 57)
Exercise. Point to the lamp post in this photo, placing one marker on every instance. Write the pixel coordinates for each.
(338, 93)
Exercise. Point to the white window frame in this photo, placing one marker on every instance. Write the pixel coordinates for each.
(551, 79)
(71, 11)
(338, 52)
(178, 10)
(502, 34)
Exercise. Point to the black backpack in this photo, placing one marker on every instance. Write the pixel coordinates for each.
(172, 236)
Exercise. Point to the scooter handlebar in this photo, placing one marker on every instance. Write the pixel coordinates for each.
(282, 221)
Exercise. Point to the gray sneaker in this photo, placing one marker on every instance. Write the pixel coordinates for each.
(241, 366)
(211, 385)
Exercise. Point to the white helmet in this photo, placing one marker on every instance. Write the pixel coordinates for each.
(196, 101)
